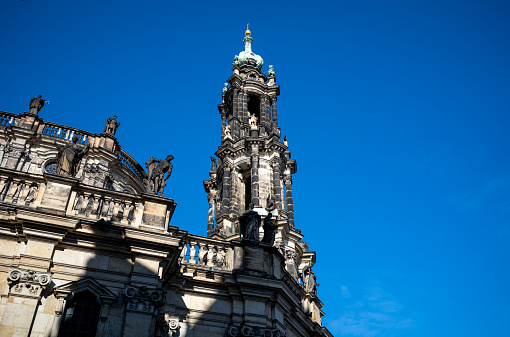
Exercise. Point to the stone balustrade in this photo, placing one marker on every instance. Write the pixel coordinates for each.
(63, 132)
(132, 165)
(7, 118)
(207, 253)
(68, 196)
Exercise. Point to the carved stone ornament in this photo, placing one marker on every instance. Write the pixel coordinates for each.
(246, 330)
(143, 299)
(27, 282)
(167, 325)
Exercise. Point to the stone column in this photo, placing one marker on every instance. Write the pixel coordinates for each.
(223, 125)
(244, 108)
(275, 117)
(210, 216)
(235, 107)
(265, 115)
(290, 202)
(25, 287)
(225, 204)
(277, 187)
(255, 180)
(234, 194)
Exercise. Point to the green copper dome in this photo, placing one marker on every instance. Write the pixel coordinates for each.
(247, 57)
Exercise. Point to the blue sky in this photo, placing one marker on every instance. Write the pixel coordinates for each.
(397, 113)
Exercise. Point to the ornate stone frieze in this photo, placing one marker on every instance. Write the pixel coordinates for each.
(27, 282)
(246, 330)
(143, 299)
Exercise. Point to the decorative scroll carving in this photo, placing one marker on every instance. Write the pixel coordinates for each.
(246, 330)
(143, 299)
(167, 325)
(27, 282)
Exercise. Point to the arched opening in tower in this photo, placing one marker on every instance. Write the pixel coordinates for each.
(247, 192)
(254, 106)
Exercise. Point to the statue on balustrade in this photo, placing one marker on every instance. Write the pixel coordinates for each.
(36, 104)
(249, 224)
(157, 170)
(69, 157)
(269, 230)
(111, 126)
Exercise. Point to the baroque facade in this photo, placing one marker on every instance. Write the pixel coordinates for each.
(87, 248)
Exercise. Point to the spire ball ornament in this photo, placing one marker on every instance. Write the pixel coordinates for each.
(248, 32)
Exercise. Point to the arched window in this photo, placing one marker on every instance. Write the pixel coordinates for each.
(247, 192)
(81, 316)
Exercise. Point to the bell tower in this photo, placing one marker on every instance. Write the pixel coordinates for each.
(254, 168)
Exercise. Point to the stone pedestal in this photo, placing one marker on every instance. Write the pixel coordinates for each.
(57, 193)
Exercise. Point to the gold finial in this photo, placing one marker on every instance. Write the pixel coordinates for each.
(248, 32)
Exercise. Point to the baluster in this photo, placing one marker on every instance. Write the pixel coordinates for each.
(192, 251)
(183, 253)
(202, 253)
(211, 255)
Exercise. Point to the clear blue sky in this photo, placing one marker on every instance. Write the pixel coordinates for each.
(397, 113)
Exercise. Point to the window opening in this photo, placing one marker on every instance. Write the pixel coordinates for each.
(81, 316)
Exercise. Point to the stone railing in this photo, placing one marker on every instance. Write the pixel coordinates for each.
(67, 196)
(18, 188)
(132, 165)
(207, 253)
(63, 132)
(7, 118)
(84, 138)
(111, 206)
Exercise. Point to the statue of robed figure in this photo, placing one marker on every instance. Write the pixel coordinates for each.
(249, 224)
(36, 104)
(69, 157)
(269, 230)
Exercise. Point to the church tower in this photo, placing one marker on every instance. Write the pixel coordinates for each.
(254, 165)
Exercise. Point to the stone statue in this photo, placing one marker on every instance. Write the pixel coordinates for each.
(269, 230)
(69, 157)
(249, 224)
(285, 142)
(31, 195)
(236, 61)
(214, 169)
(111, 126)
(253, 120)
(309, 281)
(271, 72)
(270, 203)
(157, 179)
(36, 104)
(290, 263)
(228, 132)
(225, 89)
